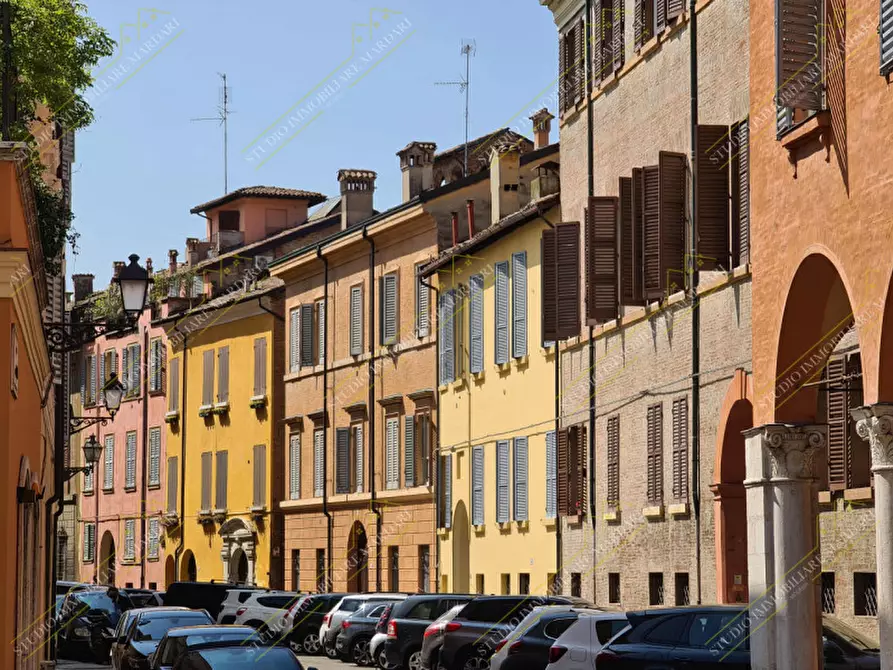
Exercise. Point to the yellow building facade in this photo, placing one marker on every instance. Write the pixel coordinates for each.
(497, 393)
(223, 411)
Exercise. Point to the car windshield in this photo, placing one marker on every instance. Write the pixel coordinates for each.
(256, 658)
(178, 645)
(98, 600)
(154, 627)
(849, 635)
(350, 605)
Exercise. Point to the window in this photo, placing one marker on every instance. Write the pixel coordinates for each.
(829, 600)
(655, 588)
(173, 474)
(154, 536)
(505, 580)
(554, 628)
(655, 469)
(614, 587)
(156, 364)
(356, 320)
(319, 475)
(321, 577)
(607, 38)
(445, 500)
(129, 539)
(576, 584)
(476, 324)
(519, 476)
(446, 324)
(849, 459)
(392, 452)
(294, 335)
(501, 296)
(680, 449)
(342, 460)
(307, 353)
(422, 473)
(131, 365)
(560, 283)
(669, 631)
(551, 471)
(108, 482)
(572, 64)
(89, 542)
(357, 454)
(885, 30)
(519, 304)
(223, 375)
(130, 461)
(682, 595)
(393, 569)
(524, 583)
(207, 457)
(571, 487)
(295, 569)
(321, 331)
(613, 472)
(422, 299)
(479, 584)
(389, 306)
(409, 450)
(155, 456)
(260, 476)
(88, 385)
(222, 475)
(864, 594)
(294, 466)
(644, 22)
(173, 398)
(800, 66)
(198, 286)
(228, 220)
(477, 486)
(88, 480)
(424, 568)
(260, 367)
(208, 378)
(502, 481)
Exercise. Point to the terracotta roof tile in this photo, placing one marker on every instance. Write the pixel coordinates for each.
(312, 197)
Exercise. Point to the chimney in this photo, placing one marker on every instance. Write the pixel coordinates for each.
(454, 220)
(117, 266)
(83, 286)
(505, 178)
(546, 180)
(417, 166)
(469, 210)
(149, 265)
(172, 261)
(542, 125)
(357, 187)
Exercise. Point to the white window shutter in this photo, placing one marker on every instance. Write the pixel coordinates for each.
(519, 304)
(101, 398)
(502, 312)
(93, 379)
(551, 469)
(319, 476)
(321, 324)
(448, 491)
(294, 333)
(409, 451)
(885, 30)
(294, 489)
(502, 481)
(130, 461)
(477, 486)
(358, 436)
(520, 478)
(109, 453)
(476, 324)
(154, 456)
(421, 307)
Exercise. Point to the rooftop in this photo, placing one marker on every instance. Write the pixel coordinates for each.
(311, 197)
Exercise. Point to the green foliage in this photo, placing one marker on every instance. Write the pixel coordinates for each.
(54, 220)
(108, 306)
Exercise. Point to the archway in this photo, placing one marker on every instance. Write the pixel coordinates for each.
(461, 539)
(730, 509)
(239, 538)
(357, 559)
(107, 559)
(188, 568)
(238, 567)
(170, 571)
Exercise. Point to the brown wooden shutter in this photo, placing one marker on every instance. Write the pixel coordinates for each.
(660, 11)
(655, 489)
(740, 192)
(562, 74)
(601, 280)
(598, 52)
(617, 25)
(639, 24)
(672, 221)
(549, 255)
(582, 83)
(713, 198)
(562, 479)
(798, 53)
(651, 233)
(567, 258)
(674, 8)
(580, 474)
(613, 453)
(837, 425)
(627, 243)
(638, 234)
(680, 449)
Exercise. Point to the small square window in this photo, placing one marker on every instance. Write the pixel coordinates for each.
(682, 593)
(829, 598)
(655, 588)
(613, 587)
(506, 583)
(576, 584)
(524, 583)
(479, 584)
(864, 594)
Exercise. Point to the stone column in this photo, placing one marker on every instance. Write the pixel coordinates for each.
(783, 554)
(875, 424)
(248, 548)
(224, 557)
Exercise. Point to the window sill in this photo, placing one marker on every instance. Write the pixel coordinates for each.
(678, 509)
(205, 411)
(443, 532)
(170, 519)
(130, 489)
(549, 522)
(815, 128)
(653, 512)
(88, 561)
(504, 367)
(152, 559)
(864, 494)
(504, 525)
(611, 516)
(221, 407)
(153, 487)
(521, 361)
(523, 524)
(111, 489)
(825, 498)
(479, 529)
(257, 401)
(479, 377)
(154, 393)
(172, 417)
(89, 493)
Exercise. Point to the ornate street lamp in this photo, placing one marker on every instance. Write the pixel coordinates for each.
(92, 454)
(112, 392)
(134, 283)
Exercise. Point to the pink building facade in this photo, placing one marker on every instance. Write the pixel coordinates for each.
(122, 501)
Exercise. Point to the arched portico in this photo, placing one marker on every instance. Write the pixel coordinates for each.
(357, 559)
(107, 559)
(188, 567)
(461, 538)
(238, 552)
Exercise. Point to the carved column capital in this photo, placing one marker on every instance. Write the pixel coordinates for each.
(791, 449)
(874, 423)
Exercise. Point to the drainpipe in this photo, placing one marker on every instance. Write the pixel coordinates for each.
(695, 300)
(325, 418)
(436, 450)
(144, 466)
(469, 208)
(51, 566)
(375, 510)
(590, 167)
(178, 551)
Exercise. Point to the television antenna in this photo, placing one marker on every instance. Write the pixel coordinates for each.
(467, 48)
(223, 112)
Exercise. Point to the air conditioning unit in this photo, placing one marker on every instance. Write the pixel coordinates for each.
(261, 262)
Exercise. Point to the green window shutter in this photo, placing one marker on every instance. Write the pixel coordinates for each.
(519, 474)
(519, 304)
(502, 312)
(409, 451)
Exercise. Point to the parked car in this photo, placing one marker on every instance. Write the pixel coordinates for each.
(233, 656)
(470, 639)
(143, 597)
(63, 588)
(432, 639)
(407, 625)
(148, 629)
(698, 636)
(178, 641)
(305, 618)
(267, 610)
(331, 622)
(232, 601)
(123, 628)
(352, 641)
(376, 644)
(200, 595)
(578, 645)
(86, 615)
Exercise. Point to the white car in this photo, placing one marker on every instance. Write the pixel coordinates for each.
(235, 597)
(578, 646)
(267, 610)
(331, 622)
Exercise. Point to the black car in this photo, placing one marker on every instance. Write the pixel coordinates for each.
(432, 640)
(699, 637)
(63, 588)
(88, 616)
(199, 595)
(471, 638)
(408, 622)
(177, 641)
(143, 597)
(352, 643)
(305, 618)
(148, 629)
(230, 656)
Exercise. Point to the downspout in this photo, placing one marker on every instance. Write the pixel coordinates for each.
(436, 450)
(590, 168)
(375, 509)
(695, 300)
(325, 419)
(144, 466)
(51, 565)
(178, 551)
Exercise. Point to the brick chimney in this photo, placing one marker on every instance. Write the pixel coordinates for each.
(83, 286)
(149, 266)
(117, 266)
(417, 165)
(542, 126)
(172, 261)
(357, 187)
(505, 181)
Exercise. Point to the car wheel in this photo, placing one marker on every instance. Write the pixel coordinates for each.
(475, 661)
(383, 661)
(359, 652)
(414, 661)
(310, 644)
(331, 652)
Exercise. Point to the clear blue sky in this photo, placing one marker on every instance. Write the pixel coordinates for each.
(143, 164)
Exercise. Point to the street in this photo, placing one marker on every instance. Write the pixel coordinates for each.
(319, 662)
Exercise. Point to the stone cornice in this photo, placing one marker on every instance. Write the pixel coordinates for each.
(563, 10)
(874, 423)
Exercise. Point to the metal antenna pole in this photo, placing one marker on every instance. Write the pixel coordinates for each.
(223, 112)
(468, 49)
